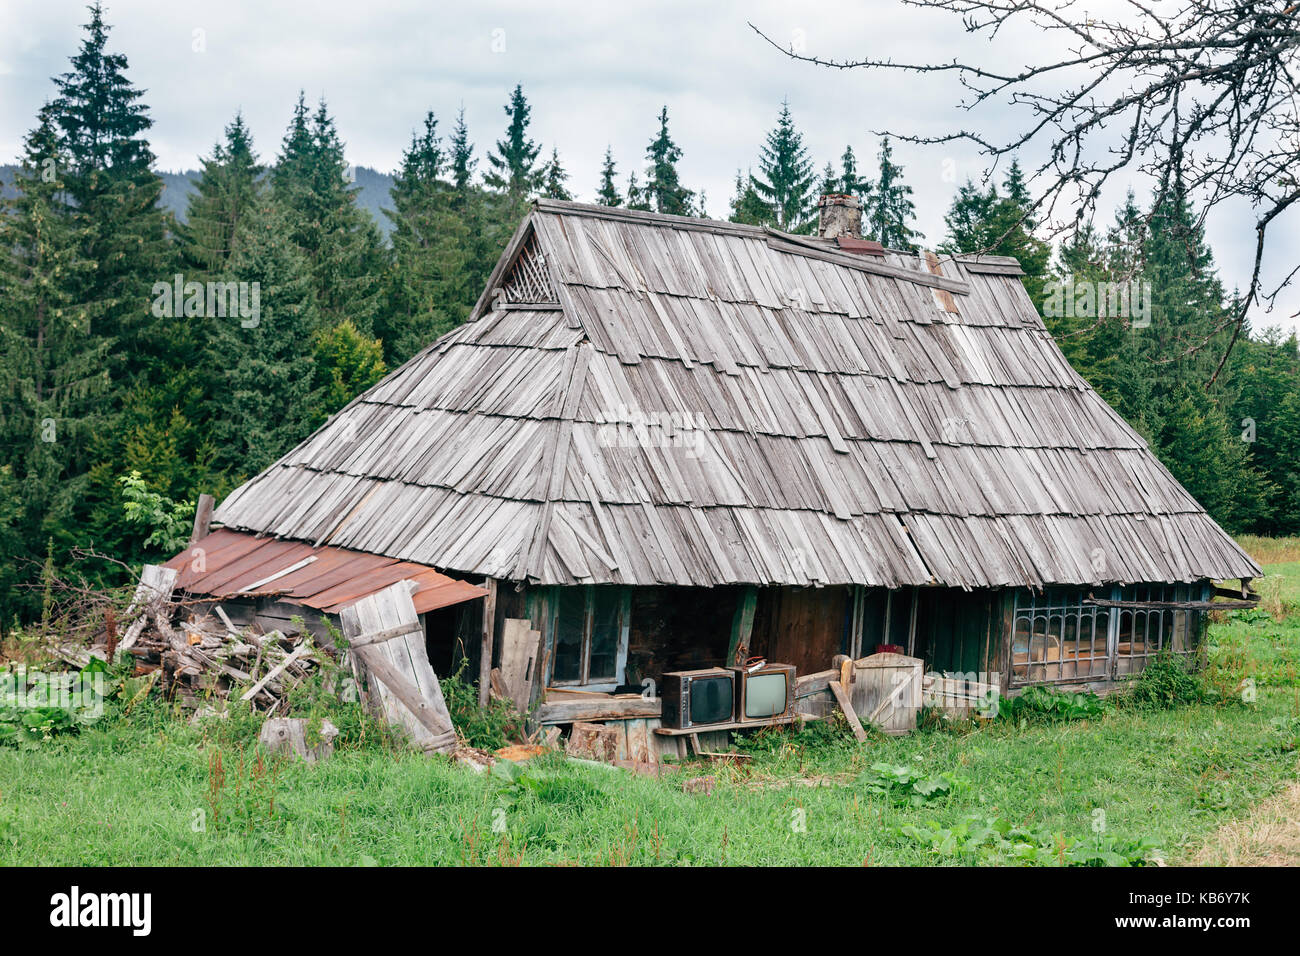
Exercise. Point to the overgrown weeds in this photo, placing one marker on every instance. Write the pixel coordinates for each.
(1046, 705)
(1169, 680)
(981, 840)
(905, 785)
(488, 728)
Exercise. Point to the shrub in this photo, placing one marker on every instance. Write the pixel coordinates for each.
(488, 728)
(1047, 705)
(1167, 681)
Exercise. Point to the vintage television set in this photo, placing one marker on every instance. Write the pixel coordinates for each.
(764, 691)
(697, 698)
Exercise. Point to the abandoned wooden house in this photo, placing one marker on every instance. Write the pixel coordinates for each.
(664, 443)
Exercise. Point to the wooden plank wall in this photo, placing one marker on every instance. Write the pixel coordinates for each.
(805, 627)
(676, 629)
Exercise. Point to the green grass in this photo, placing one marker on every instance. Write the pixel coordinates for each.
(126, 795)
(146, 789)
(1263, 644)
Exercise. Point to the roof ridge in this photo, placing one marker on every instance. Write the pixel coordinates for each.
(789, 243)
(566, 207)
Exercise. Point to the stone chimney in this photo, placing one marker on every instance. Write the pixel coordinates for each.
(841, 215)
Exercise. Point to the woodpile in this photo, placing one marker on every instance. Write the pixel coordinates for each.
(203, 656)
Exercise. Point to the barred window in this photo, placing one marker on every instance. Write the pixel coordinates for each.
(1145, 632)
(1057, 637)
(1061, 634)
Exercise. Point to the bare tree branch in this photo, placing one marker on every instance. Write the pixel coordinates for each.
(1206, 87)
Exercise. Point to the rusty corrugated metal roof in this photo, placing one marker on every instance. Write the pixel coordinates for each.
(327, 579)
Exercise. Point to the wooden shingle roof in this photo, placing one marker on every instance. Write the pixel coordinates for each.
(799, 415)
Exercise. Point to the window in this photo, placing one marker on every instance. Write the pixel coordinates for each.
(1057, 637)
(589, 636)
(1061, 634)
(882, 617)
(1145, 632)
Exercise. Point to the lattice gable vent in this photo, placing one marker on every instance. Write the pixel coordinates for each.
(527, 280)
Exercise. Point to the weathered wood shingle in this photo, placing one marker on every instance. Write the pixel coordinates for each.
(712, 404)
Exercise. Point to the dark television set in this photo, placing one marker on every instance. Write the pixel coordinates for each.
(697, 698)
(764, 692)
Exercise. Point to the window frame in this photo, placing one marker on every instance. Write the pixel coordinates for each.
(898, 604)
(623, 597)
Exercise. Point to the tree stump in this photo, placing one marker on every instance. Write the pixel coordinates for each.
(280, 734)
(593, 741)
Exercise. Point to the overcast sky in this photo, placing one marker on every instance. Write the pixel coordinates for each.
(595, 74)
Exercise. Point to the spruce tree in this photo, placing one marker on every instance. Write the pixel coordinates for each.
(637, 197)
(1098, 346)
(663, 190)
(514, 160)
(785, 180)
(472, 240)
(984, 221)
(1203, 451)
(229, 185)
(852, 182)
(462, 155)
(553, 178)
(829, 183)
(607, 192)
(1265, 372)
(54, 382)
(266, 367)
(891, 211)
(115, 193)
(422, 207)
(747, 206)
(339, 240)
(443, 244)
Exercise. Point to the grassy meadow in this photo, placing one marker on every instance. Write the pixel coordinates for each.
(1127, 781)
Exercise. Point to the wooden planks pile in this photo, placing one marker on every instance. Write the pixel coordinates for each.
(204, 657)
(197, 653)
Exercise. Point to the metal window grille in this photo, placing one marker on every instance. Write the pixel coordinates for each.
(1145, 632)
(1058, 638)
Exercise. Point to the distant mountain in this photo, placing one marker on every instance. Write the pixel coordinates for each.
(7, 172)
(374, 195)
(177, 187)
(176, 190)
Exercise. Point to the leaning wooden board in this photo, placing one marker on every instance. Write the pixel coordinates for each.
(395, 669)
